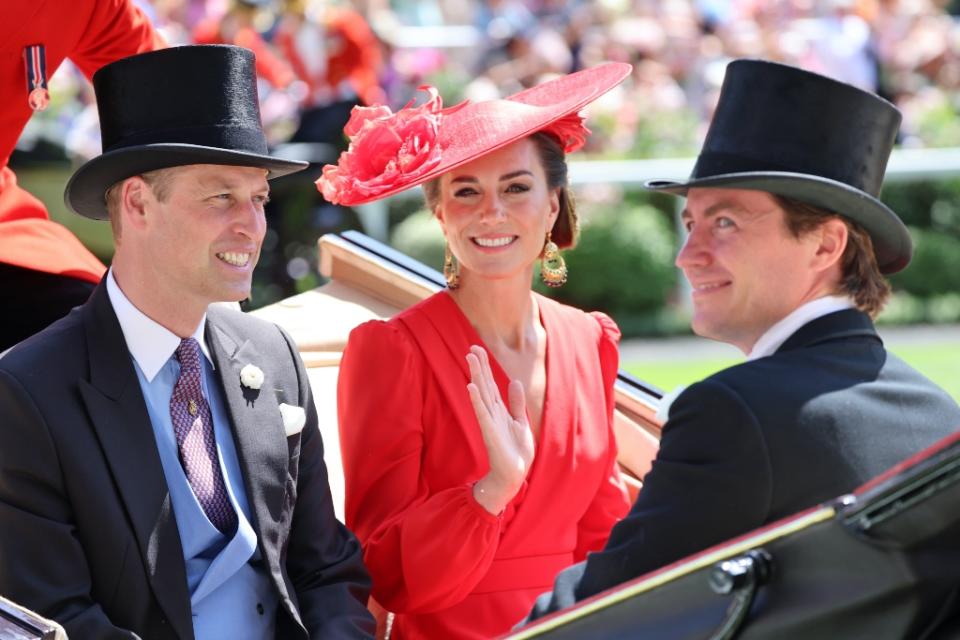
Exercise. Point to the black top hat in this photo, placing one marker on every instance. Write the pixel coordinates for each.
(172, 107)
(798, 134)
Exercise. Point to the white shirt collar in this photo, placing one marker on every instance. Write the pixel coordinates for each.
(776, 335)
(150, 343)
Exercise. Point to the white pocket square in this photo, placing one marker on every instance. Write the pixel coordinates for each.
(293, 418)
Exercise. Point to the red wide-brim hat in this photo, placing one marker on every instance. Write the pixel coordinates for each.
(391, 152)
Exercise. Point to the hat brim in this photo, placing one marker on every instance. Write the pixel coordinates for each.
(477, 129)
(891, 240)
(86, 190)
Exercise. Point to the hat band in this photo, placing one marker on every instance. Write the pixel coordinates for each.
(717, 164)
(227, 137)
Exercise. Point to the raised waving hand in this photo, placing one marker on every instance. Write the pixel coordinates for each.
(506, 434)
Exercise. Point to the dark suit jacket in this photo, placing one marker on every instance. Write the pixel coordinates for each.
(39, 299)
(766, 439)
(87, 530)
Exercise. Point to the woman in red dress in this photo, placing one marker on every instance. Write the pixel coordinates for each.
(476, 426)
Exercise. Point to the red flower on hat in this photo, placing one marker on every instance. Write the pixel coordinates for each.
(570, 131)
(386, 149)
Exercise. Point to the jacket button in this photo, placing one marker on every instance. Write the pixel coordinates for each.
(260, 608)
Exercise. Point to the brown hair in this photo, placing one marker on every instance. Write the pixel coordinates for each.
(159, 181)
(860, 276)
(566, 228)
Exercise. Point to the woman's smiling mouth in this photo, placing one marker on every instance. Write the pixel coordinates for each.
(489, 242)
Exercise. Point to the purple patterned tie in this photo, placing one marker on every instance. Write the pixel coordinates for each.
(193, 427)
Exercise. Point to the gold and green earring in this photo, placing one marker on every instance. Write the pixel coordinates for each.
(451, 268)
(553, 269)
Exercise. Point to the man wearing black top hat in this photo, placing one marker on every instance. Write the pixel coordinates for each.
(161, 469)
(786, 250)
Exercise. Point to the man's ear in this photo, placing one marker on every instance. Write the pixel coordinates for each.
(832, 237)
(134, 195)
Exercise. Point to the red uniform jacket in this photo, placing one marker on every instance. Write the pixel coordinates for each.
(90, 33)
(353, 57)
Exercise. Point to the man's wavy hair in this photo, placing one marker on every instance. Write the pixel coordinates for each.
(861, 278)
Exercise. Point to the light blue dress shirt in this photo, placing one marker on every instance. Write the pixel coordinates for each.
(231, 593)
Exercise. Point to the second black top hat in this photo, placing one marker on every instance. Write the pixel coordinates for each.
(805, 136)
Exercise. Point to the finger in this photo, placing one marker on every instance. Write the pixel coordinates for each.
(493, 390)
(476, 378)
(519, 425)
(488, 388)
(493, 439)
(480, 409)
(518, 401)
(474, 365)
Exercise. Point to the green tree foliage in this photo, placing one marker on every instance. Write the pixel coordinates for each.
(419, 236)
(623, 264)
(928, 290)
(935, 268)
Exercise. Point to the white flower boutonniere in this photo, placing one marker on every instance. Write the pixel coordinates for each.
(663, 411)
(251, 376)
(293, 418)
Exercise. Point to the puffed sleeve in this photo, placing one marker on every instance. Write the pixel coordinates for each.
(116, 29)
(609, 352)
(425, 550)
(611, 502)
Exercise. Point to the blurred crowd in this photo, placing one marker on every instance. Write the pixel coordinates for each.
(317, 58)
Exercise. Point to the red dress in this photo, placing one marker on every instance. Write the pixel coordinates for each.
(412, 450)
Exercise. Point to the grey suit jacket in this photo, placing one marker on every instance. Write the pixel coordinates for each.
(87, 530)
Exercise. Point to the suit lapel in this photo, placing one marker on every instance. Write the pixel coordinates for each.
(119, 416)
(255, 418)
